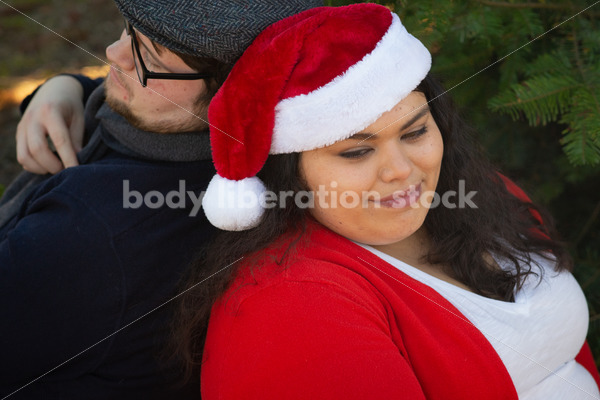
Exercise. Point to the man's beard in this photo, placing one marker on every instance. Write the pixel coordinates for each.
(160, 126)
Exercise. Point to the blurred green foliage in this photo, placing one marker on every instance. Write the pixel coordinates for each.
(527, 77)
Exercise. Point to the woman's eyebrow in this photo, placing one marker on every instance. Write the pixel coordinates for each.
(362, 136)
(370, 136)
(424, 110)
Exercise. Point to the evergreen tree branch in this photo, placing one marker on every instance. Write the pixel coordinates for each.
(533, 5)
(580, 69)
(527, 5)
(519, 103)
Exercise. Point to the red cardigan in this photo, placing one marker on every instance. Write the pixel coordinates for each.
(336, 321)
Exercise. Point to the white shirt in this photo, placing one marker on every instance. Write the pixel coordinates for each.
(537, 337)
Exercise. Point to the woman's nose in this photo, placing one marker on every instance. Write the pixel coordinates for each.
(395, 164)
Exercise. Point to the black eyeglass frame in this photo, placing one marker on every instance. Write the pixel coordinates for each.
(145, 73)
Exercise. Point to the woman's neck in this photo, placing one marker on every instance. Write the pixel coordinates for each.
(413, 251)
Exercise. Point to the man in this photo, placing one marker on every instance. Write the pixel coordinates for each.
(89, 256)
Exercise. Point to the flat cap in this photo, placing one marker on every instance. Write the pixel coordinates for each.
(219, 29)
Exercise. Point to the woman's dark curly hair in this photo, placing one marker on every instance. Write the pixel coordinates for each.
(461, 238)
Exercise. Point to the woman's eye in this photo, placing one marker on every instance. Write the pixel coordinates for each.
(414, 134)
(356, 153)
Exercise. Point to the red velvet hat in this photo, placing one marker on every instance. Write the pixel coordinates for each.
(306, 82)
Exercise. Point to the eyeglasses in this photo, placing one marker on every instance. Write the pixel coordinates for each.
(143, 73)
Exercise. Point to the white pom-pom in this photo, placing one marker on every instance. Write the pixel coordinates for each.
(234, 205)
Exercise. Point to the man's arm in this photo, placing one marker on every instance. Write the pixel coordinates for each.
(53, 110)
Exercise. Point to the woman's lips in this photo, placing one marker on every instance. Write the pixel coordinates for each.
(401, 198)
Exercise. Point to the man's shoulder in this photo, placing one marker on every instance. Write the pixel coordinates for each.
(114, 170)
(124, 192)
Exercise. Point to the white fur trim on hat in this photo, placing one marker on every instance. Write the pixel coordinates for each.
(234, 205)
(355, 99)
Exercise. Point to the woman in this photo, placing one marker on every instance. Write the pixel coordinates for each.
(375, 254)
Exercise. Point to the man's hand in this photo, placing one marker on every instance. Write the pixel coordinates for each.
(55, 111)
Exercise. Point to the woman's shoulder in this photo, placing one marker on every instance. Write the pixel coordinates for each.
(319, 263)
(311, 327)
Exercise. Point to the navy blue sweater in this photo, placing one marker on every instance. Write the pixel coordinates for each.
(83, 269)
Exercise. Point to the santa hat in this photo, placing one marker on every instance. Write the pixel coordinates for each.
(305, 82)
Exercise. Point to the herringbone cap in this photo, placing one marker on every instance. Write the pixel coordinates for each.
(219, 29)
